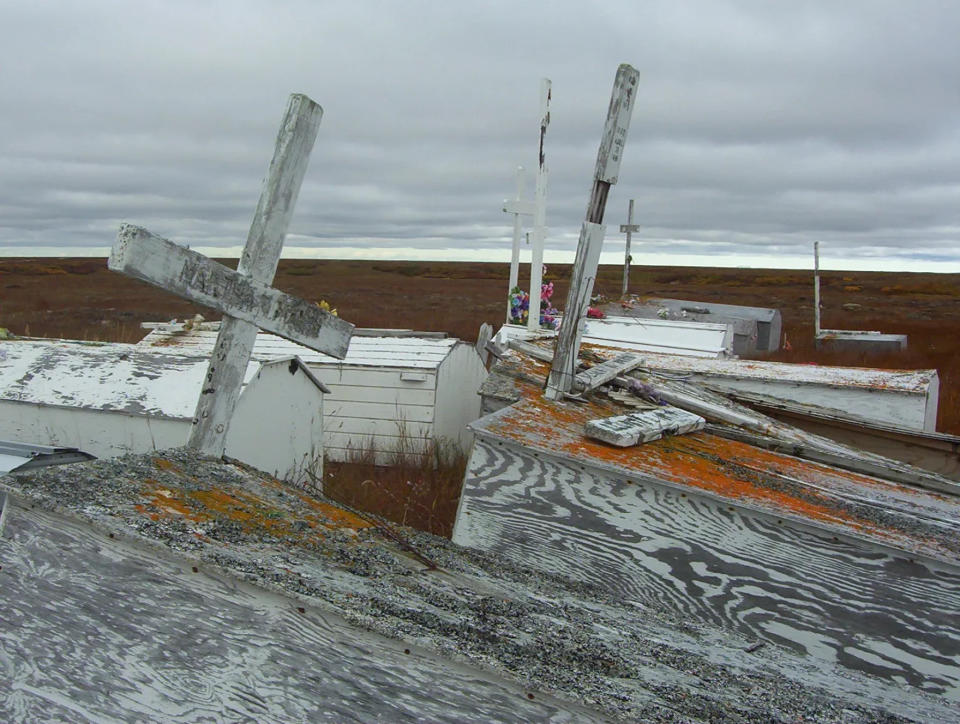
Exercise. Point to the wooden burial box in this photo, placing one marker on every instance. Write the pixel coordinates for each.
(113, 399)
(238, 594)
(755, 329)
(393, 393)
(860, 570)
(907, 399)
(866, 341)
(687, 339)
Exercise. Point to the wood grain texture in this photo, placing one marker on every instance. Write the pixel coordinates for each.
(602, 373)
(614, 139)
(867, 608)
(258, 262)
(102, 630)
(158, 261)
(563, 368)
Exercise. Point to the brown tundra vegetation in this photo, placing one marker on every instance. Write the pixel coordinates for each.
(78, 298)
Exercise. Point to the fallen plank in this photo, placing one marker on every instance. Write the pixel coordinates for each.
(636, 428)
(606, 371)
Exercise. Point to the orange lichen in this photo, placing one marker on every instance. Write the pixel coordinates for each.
(254, 513)
(165, 464)
(731, 469)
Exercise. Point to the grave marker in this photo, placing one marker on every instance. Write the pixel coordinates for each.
(636, 428)
(629, 228)
(539, 211)
(518, 206)
(244, 296)
(563, 369)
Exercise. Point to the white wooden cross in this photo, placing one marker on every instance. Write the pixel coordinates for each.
(629, 228)
(518, 206)
(563, 369)
(816, 289)
(244, 296)
(538, 210)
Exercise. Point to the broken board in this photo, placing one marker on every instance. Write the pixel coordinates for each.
(636, 428)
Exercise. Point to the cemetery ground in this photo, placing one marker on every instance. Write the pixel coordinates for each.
(78, 298)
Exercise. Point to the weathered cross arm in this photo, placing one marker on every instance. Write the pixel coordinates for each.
(158, 261)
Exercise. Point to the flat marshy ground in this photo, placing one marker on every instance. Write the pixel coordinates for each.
(79, 298)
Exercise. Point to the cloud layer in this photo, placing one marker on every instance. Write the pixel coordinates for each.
(758, 128)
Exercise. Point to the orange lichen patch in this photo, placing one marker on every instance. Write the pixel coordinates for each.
(253, 513)
(166, 503)
(336, 517)
(728, 468)
(165, 464)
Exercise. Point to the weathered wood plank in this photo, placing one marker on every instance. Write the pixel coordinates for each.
(563, 367)
(101, 629)
(606, 371)
(162, 263)
(609, 156)
(644, 426)
(829, 596)
(615, 131)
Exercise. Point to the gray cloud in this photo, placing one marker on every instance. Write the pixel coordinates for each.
(758, 127)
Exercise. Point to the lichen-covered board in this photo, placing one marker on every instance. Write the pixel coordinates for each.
(636, 428)
(835, 565)
(96, 629)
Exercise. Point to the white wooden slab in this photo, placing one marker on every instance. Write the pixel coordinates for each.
(605, 371)
(363, 351)
(636, 428)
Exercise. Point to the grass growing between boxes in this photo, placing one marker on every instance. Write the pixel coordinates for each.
(418, 486)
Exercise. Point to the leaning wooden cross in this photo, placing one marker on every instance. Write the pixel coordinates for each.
(244, 296)
(563, 368)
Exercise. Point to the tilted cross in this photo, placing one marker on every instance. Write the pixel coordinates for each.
(563, 368)
(629, 228)
(244, 296)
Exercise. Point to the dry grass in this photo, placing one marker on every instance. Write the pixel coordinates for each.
(416, 488)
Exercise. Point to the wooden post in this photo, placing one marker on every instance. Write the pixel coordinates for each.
(518, 206)
(539, 211)
(244, 296)
(816, 290)
(627, 228)
(563, 368)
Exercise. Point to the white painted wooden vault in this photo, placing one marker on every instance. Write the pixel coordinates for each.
(113, 399)
(394, 393)
(691, 339)
(755, 329)
(861, 570)
(906, 399)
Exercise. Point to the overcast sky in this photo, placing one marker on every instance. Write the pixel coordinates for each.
(759, 127)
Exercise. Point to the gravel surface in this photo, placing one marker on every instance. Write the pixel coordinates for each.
(548, 633)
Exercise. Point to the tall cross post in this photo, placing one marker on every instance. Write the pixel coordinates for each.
(539, 211)
(816, 289)
(518, 206)
(244, 296)
(563, 369)
(629, 229)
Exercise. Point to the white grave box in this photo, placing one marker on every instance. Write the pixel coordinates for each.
(393, 392)
(113, 399)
